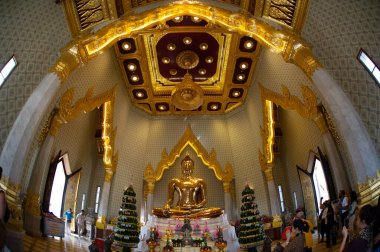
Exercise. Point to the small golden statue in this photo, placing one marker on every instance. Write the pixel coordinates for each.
(191, 196)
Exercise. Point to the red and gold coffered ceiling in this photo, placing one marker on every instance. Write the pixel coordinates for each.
(155, 61)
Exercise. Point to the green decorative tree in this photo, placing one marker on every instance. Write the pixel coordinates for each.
(251, 231)
(126, 231)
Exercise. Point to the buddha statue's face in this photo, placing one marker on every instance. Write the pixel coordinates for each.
(187, 167)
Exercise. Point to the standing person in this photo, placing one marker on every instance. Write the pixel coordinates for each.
(343, 206)
(81, 217)
(3, 208)
(352, 210)
(69, 217)
(306, 231)
(363, 240)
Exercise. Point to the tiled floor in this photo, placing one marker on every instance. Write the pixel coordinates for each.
(50, 244)
(74, 243)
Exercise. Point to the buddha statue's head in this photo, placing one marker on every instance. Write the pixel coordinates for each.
(187, 165)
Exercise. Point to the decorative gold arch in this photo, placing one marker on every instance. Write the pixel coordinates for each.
(188, 139)
(307, 108)
(67, 112)
(286, 43)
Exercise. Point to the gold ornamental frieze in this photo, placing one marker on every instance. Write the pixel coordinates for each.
(369, 191)
(209, 159)
(308, 108)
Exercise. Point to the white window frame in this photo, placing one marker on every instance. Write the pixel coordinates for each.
(97, 199)
(280, 193)
(7, 69)
(369, 65)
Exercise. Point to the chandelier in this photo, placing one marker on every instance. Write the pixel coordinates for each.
(187, 95)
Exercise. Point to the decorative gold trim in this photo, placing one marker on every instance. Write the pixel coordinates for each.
(32, 204)
(300, 53)
(150, 178)
(369, 192)
(227, 187)
(189, 139)
(14, 203)
(307, 109)
(67, 112)
(101, 222)
(284, 42)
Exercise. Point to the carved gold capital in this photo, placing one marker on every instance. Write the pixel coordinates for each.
(101, 222)
(150, 187)
(70, 58)
(268, 174)
(109, 175)
(227, 187)
(300, 53)
(32, 204)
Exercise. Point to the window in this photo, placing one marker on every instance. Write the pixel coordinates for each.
(320, 183)
(58, 187)
(281, 198)
(83, 200)
(97, 199)
(368, 63)
(295, 200)
(7, 69)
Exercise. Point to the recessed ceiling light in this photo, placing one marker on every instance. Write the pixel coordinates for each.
(248, 44)
(135, 78)
(126, 46)
(165, 60)
(240, 77)
(236, 93)
(203, 46)
(171, 47)
(202, 71)
(243, 65)
(131, 67)
(209, 59)
(173, 71)
(214, 107)
(178, 19)
(140, 94)
(195, 19)
(187, 40)
(161, 107)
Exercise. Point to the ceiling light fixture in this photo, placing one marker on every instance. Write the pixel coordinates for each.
(195, 19)
(135, 78)
(243, 65)
(165, 60)
(248, 44)
(187, 40)
(240, 77)
(126, 46)
(203, 46)
(209, 59)
(171, 47)
(131, 67)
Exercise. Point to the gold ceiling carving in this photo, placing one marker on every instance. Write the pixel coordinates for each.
(189, 139)
(283, 42)
(308, 108)
(289, 13)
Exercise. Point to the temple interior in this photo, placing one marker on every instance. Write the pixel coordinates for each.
(116, 93)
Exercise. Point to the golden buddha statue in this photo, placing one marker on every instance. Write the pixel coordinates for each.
(191, 196)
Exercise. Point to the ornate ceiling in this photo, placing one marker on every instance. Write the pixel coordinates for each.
(220, 63)
(186, 65)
